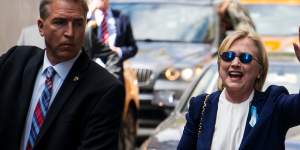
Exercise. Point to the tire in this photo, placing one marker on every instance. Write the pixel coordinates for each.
(128, 131)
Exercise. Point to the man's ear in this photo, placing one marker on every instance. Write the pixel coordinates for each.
(40, 24)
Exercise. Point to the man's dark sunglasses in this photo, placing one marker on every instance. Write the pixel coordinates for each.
(245, 58)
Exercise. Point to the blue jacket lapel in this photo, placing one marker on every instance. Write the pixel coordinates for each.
(263, 114)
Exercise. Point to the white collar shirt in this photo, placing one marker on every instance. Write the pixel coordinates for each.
(230, 123)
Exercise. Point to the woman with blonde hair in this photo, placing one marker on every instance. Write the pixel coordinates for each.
(240, 115)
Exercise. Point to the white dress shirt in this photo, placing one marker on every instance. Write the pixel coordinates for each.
(62, 70)
(230, 123)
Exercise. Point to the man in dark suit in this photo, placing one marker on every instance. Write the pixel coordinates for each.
(57, 98)
(109, 34)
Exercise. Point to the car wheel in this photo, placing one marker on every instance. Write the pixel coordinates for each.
(128, 131)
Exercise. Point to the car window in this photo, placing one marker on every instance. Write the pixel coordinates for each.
(206, 84)
(287, 76)
(169, 21)
(268, 18)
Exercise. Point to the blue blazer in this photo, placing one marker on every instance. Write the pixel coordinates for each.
(277, 112)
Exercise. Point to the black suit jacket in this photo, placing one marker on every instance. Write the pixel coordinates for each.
(85, 113)
(124, 39)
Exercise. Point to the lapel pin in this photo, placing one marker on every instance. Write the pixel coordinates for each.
(76, 78)
(254, 116)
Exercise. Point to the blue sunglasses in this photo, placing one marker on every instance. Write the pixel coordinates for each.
(245, 58)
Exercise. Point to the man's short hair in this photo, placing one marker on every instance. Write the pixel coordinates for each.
(44, 11)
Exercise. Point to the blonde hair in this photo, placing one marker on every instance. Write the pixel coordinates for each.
(262, 54)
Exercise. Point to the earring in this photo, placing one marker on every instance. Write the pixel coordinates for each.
(258, 77)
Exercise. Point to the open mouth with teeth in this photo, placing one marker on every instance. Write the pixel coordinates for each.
(235, 74)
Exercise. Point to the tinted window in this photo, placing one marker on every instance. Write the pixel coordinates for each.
(284, 75)
(275, 19)
(206, 84)
(169, 21)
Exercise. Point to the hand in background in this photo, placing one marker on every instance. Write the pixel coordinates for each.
(296, 46)
(92, 24)
(116, 49)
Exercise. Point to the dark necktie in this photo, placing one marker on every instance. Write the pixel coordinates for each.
(104, 31)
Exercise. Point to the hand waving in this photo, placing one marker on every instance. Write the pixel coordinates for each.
(297, 47)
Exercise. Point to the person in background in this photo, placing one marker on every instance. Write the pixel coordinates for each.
(240, 115)
(57, 98)
(109, 36)
(233, 16)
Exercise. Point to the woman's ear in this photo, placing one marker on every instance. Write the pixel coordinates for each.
(259, 74)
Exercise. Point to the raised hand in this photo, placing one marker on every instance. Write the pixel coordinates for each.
(296, 46)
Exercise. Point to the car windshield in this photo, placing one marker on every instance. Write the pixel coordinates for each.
(280, 20)
(287, 75)
(168, 21)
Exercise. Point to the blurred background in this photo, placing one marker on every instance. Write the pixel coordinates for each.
(15, 15)
(177, 41)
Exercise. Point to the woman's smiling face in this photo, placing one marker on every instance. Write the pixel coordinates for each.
(237, 76)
